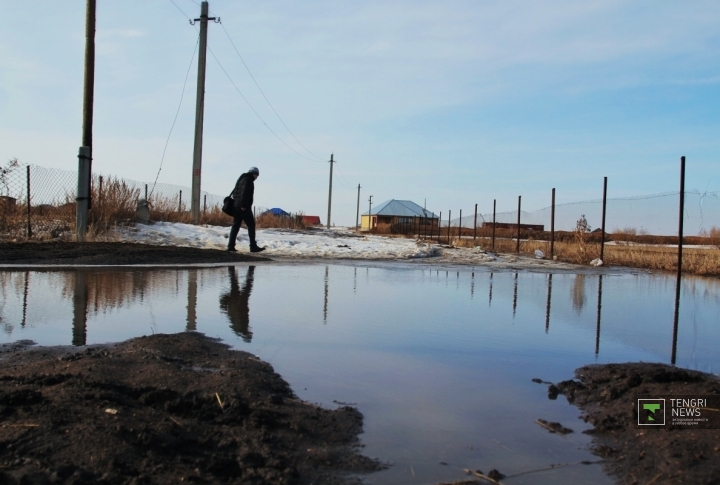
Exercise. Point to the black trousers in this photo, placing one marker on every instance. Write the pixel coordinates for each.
(238, 217)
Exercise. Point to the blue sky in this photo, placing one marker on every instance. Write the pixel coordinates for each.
(455, 102)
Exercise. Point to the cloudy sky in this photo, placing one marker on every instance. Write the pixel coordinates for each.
(453, 102)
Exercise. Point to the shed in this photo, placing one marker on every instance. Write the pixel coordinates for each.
(399, 216)
(275, 211)
(312, 220)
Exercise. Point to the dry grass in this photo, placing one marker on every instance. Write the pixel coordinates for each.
(285, 222)
(659, 258)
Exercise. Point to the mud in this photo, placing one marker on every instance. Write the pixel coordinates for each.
(165, 409)
(606, 396)
(114, 253)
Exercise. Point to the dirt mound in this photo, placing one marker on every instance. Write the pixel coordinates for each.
(606, 395)
(165, 409)
(114, 253)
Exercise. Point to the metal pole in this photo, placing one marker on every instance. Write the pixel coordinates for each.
(199, 113)
(180, 202)
(493, 233)
(100, 188)
(357, 215)
(370, 213)
(602, 235)
(330, 190)
(460, 227)
(449, 224)
(475, 226)
(146, 195)
(205, 204)
(552, 226)
(89, 86)
(83, 195)
(29, 226)
(439, 221)
(680, 216)
(517, 247)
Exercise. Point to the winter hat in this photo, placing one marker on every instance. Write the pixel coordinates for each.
(254, 170)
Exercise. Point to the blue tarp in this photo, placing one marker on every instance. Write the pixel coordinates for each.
(276, 211)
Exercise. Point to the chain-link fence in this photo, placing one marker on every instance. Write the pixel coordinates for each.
(39, 203)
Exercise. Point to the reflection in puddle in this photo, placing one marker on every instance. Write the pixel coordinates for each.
(439, 375)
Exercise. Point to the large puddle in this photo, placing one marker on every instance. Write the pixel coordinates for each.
(439, 362)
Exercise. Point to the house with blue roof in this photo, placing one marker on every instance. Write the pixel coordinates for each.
(399, 217)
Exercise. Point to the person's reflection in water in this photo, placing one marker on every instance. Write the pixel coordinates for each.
(235, 303)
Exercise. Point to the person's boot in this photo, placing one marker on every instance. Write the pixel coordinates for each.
(256, 249)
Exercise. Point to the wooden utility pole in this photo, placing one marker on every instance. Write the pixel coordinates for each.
(370, 213)
(330, 190)
(357, 214)
(83, 197)
(199, 111)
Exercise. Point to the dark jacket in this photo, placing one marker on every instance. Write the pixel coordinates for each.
(244, 191)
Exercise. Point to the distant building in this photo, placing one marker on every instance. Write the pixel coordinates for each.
(276, 211)
(509, 225)
(312, 220)
(399, 217)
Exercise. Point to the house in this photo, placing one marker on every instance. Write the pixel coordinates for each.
(312, 220)
(399, 217)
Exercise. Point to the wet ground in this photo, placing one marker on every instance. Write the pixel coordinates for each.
(440, 362)
(165, 409)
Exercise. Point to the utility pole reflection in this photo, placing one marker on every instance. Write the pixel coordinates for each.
(80, 307)
(325, 304)
(191, 324)
(490, 295)
(235, 303)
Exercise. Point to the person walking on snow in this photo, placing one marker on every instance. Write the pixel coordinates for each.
(242, 209)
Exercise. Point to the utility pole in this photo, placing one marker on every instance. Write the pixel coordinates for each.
(330, 190)
(357, 215)
(199, 111)
(370, 213)
(83, 197)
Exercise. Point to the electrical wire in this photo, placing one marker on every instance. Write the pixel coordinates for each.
(181, 10)
(182, 95)
(256, 113)
(263, 93)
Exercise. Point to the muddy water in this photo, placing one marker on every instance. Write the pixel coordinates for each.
(439, 362)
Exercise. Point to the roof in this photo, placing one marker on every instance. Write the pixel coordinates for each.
(276, 211)
(400, 208)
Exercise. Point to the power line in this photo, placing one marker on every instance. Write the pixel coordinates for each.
(263, 93)
(256, 113)
(181, 10)
(182, 95)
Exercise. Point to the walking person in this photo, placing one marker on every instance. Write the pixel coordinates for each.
(242, 209)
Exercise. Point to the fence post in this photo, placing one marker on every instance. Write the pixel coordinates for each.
(602, 236)
(180, 202)
(449, 225)
(517, 247)
(29, 227)
(552, 226)
(439, 221)
(100, 188)
(83, 197)
(146, 194)
(493, 233)
(460, 227)
(475, 226)
(680, 218)
(205, 204)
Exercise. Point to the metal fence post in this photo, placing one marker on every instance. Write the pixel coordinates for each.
(100, 188)
(460, 227)
(475, 226)
(493, 233)
(180, 202)
(439, 221)
(517, 247)
(449, 225)
(29, 226)
(680, 217)
(205, 204)
(602, 235)
(552, 226)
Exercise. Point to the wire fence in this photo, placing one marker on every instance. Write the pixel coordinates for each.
(40, 203)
